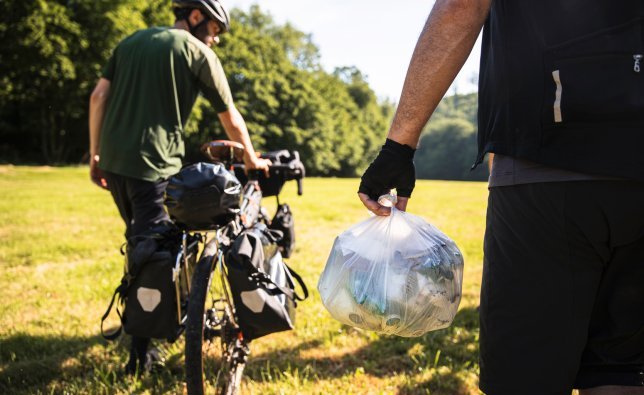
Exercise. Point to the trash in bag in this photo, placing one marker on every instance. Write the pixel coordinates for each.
(397, 275)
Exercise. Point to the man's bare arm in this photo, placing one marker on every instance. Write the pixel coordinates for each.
(442, 48)
(97, 106)
(236, 129)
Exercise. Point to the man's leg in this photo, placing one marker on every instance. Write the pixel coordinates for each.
(614, 354)
(140, 204)
(540, 278)
(118, 188)
(147, 204)
(148, 210)
(571, 255)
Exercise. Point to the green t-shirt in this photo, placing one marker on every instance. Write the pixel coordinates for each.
(142, 133)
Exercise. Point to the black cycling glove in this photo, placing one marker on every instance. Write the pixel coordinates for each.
(392, 168)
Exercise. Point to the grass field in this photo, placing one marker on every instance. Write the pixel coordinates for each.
(59, 264)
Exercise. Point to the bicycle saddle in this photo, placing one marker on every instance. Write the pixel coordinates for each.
(224, 151)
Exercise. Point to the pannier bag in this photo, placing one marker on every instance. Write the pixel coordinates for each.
(283, 221)
(272, 186)
(262, 285)
(202, 196)
(396, 275)
(153, 305)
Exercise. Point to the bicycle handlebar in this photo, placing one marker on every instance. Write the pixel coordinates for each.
(295, 173)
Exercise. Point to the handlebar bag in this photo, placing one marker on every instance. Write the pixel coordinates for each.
(202, 196)
(289, 167)
(262, 285)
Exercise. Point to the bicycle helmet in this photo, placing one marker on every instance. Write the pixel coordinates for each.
(214, 9)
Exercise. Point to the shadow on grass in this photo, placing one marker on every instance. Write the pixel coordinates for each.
(438, 362)
(58, 364)
(447, 353)
(31, 362)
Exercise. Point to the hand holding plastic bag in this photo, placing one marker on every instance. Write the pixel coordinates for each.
(396, 275)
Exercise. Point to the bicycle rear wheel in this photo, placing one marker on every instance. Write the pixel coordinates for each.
(210, 320)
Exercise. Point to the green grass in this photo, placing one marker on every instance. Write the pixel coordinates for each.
(59, 264)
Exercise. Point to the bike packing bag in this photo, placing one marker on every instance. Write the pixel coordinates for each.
(262, 284)
(283, 221)
(202, 196)
(272, 185)
(153, 307)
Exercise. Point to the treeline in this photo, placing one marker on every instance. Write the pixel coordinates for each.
(52, 53)
(448, 147)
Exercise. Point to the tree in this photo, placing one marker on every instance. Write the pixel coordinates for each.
(52, 53)
(447, 151)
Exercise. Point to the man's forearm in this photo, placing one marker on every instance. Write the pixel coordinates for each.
(236, 129)
(442, 48)
(97, 104)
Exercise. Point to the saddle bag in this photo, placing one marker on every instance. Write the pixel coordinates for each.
(262, 285)
(202, 196)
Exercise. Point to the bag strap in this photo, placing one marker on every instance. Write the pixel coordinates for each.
(290, 292)
(120, 291)
(293, 273)
(262, 277)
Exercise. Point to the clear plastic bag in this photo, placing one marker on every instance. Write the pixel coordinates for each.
(397, 275)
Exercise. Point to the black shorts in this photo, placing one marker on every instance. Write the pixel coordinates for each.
(562, 298)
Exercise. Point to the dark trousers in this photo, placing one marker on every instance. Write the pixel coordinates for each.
(140, 204)
(562, 298)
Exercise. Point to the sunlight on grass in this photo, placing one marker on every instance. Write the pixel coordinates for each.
(60, 264)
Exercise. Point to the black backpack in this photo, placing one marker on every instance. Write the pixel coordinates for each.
(262, 285)
(152, 306)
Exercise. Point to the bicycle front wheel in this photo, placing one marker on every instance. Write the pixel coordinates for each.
(210, 321)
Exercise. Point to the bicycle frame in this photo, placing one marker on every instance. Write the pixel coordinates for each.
(218, 313)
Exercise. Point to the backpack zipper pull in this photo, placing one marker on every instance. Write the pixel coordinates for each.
(636, 65)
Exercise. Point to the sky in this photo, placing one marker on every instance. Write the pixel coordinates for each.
(376, 36)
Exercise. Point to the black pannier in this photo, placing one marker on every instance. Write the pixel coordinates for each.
(289, 167)
(153, 302)
(262, 285)
(202, 196)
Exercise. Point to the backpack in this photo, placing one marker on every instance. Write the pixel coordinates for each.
(262, 285)
(151, 300)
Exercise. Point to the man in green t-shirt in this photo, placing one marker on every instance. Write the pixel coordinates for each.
(139, 107)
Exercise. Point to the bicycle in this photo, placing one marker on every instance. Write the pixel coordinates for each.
(166, 260)
(203, 286)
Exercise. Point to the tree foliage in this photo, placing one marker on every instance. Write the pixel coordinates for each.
(52, 53)
(448, 144)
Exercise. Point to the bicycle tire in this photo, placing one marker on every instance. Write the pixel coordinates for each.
(231, 368)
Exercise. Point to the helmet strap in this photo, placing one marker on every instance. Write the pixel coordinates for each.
(194, 29)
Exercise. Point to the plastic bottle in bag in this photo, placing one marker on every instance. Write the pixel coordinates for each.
(396, 274)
